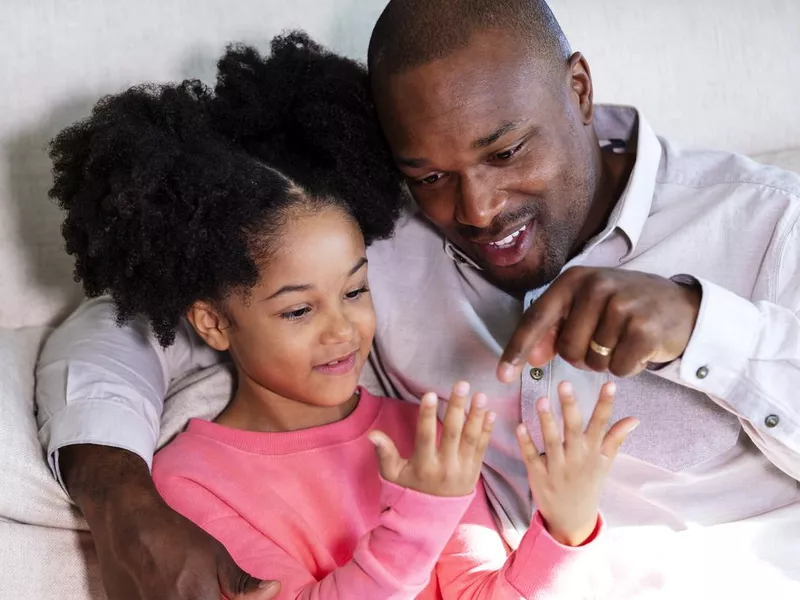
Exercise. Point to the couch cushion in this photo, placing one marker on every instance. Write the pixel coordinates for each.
(28, 493)
(785, 159)
(48, 564)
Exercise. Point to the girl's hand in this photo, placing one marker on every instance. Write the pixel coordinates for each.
(452, 468)
(566, 481)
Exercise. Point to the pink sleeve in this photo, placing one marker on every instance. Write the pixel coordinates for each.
(475, 564)
(396, 559)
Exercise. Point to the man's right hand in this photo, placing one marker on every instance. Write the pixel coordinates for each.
(146, 550)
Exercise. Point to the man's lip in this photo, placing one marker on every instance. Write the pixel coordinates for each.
(503, 235)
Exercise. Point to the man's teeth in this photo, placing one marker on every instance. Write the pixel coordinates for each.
(508, 240)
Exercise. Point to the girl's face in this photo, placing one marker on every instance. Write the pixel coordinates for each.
(302, 336)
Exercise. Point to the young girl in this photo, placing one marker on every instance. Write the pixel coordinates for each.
(266, 259)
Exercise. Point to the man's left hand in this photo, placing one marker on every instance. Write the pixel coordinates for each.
(604, 319)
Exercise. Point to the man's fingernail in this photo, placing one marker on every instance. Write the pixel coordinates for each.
(480, 401)
(611, 388)
(506, 371)
(461, 388)
(634, 426)
(375, 439)
(566, 388)
(429, 399)
(543, 405)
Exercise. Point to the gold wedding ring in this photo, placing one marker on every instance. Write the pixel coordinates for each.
(601, 350)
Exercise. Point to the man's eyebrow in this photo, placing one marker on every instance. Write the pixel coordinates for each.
(304, 287)
(490, 139)
(507, 127)
(412, 163)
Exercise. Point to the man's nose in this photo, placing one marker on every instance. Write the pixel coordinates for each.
(479, 201)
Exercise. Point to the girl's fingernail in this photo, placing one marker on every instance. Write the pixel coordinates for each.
(634, 426)
(566, 388)
(461, 388)
(611, 388)
(480, 401)
(429, 399)
(490, 418)
(543, 405)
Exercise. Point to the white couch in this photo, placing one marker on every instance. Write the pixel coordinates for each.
(717, 73)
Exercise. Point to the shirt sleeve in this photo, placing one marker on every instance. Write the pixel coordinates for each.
(394, 560)
(476, 565)
(746, 355)
(101, 383)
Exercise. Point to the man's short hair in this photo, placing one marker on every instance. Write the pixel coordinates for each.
(410, 33)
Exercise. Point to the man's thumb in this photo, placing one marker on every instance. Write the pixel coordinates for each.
(235, 584)
(388, 456)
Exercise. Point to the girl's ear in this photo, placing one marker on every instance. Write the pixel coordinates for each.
(210, 325)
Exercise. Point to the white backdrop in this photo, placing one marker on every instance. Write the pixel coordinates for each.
(718, 73)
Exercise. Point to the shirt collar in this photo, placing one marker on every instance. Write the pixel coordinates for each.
(625, 124)
(625, 130)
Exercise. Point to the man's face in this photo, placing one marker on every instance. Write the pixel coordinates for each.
(499, 154)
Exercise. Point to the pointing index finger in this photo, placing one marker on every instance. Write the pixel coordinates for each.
(537, 332)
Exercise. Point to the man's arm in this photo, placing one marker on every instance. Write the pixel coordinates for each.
(102, 384)
(100, 393)
(746, 355)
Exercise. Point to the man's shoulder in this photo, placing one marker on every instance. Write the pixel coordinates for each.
(718, 171)
(410, 258)
(414, 236)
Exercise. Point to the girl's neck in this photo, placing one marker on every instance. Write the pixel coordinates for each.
(255, 408)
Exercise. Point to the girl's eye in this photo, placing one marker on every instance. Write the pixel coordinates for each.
(295, 314)
(507, 154)
(355, 294)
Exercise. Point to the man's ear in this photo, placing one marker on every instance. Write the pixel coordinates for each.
(210, 325)
(580, 78)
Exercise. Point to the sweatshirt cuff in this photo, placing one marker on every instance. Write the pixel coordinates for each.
(415, 528)
(543, 563)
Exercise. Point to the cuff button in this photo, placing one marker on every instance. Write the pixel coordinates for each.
(772, 421)
(702, 373)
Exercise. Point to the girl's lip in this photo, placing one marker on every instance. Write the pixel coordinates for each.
(341, 366)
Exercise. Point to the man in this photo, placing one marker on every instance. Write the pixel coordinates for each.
(558, 240)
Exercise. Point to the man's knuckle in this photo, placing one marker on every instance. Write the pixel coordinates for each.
(619, 306)
(569, 350)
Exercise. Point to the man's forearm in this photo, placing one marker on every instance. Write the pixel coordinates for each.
(99, 478)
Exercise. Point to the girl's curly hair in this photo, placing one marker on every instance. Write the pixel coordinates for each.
(173, 193)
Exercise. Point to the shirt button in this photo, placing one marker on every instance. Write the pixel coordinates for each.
(537, 374)
(702, 372)
(772, 421)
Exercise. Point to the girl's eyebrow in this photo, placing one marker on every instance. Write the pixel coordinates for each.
(304, 287)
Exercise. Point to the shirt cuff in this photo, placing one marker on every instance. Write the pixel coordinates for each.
(722, 342)
(102, 422)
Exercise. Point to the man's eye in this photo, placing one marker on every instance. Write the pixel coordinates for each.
(430, 179)
(506, 154)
